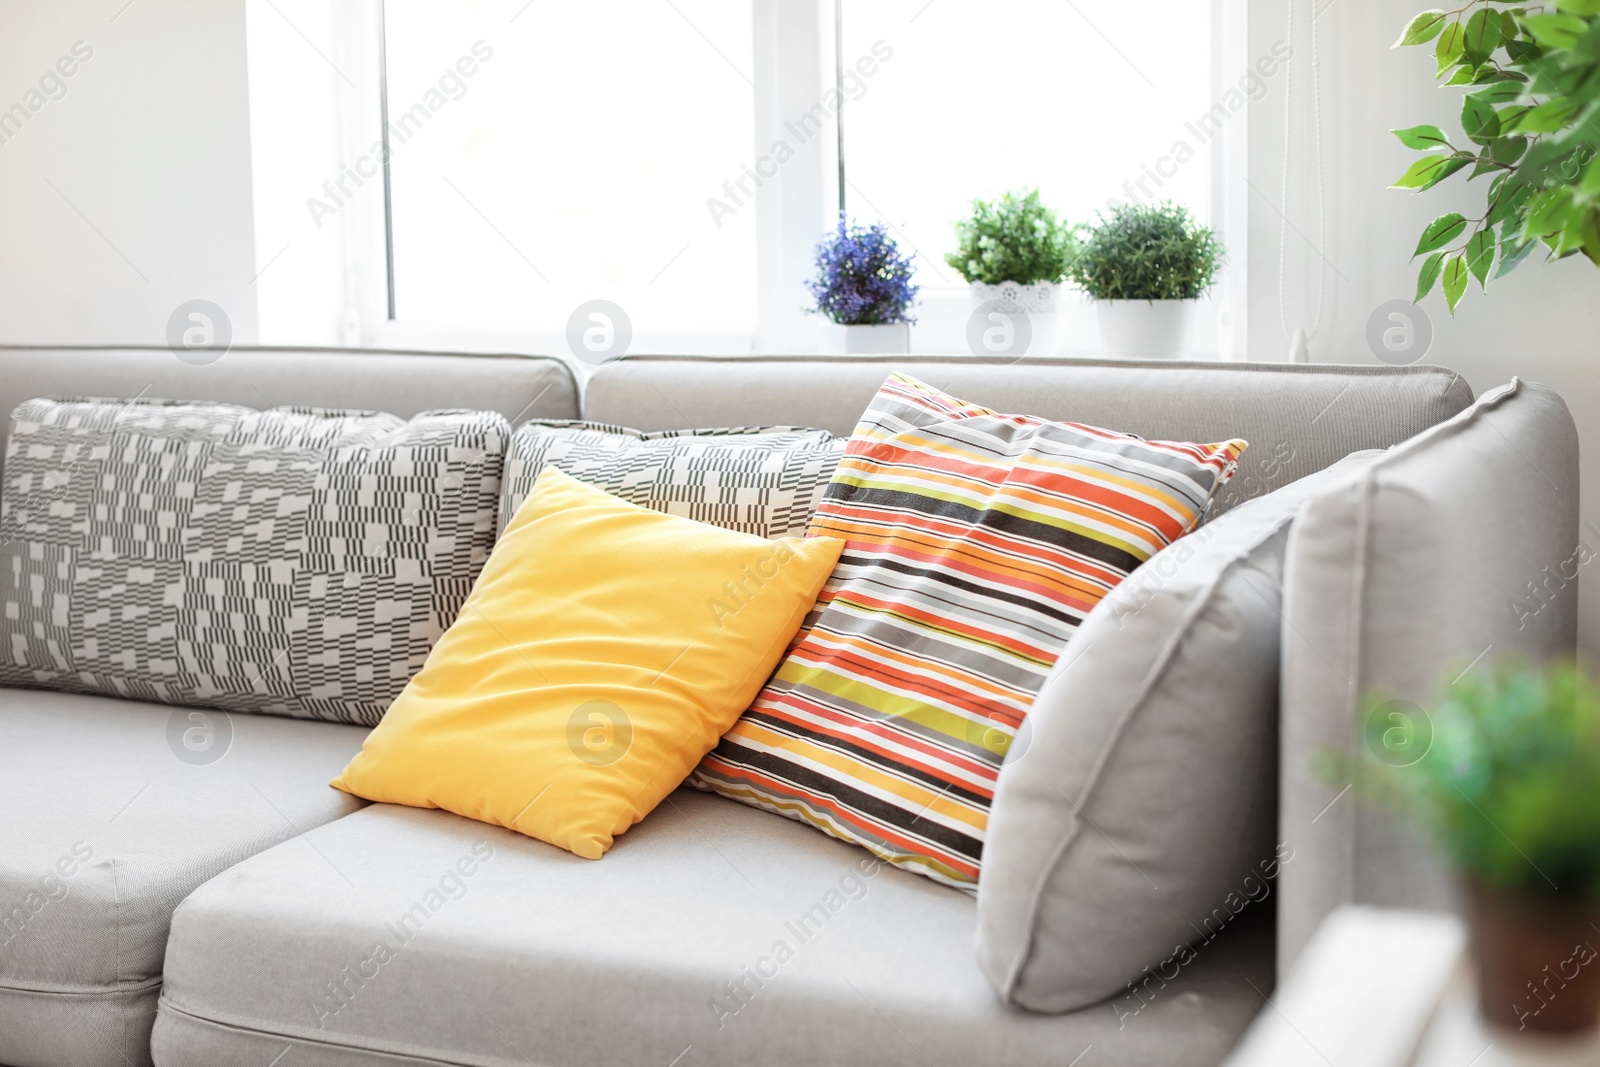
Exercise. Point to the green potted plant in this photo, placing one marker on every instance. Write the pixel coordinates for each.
(1504, 773)
(1530, 122)
(1145, 266)
(1014, 253)
(863, 286)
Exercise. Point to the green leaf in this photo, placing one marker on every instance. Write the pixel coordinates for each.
(1522, 51)
(1508, 150)
(1548, 117)
(1429, 171)
(1548, 212)
(1589, 234)
(1440, 232)
(1501, 91)
(1480, 256)
(1422, 29)
(1509, 203)
(1483, 34)
(1422, 138)
(1455, 280)
(1513, 251)
(1571, 239)
(1429, 276)
(1590, 186)
(1555, 31)
(1452, 44)
(1579, 7)
(1464, 75)
(1479, 119)
(1511, 116)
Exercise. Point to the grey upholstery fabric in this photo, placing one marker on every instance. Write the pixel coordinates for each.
(1139, 817)
(416, 937)
(106, 829)
(765, 481)
(1451, 552)
(1298, 419)
(400, 383)
(293, 561)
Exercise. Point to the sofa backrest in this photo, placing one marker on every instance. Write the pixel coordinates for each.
(1454, 553)
(400, 383)
(1297, 418)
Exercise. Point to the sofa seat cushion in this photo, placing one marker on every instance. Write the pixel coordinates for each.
(710, 934)
(114, 812)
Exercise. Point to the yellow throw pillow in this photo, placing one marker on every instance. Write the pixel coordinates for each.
(602, 652)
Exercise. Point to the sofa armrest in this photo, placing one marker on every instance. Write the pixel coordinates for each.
(1458, 549)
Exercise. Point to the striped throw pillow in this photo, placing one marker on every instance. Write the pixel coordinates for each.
(976, 543)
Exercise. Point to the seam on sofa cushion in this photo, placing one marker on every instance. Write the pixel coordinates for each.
(407, 1052)
(1158, 668)
(97, 993)
(116, 958)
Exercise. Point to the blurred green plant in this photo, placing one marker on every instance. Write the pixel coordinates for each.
(1147, 252)
(1504, 773)
(1017, 238)
(1531, 118)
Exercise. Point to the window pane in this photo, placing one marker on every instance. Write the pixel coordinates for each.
(573, 164)
(1077, 99)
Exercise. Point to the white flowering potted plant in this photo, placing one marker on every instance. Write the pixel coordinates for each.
(863, 287)
(1014, 253)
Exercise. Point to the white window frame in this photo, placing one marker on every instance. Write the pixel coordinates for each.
(793, 208)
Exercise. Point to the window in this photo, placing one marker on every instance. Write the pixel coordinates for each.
(564, 155)
(1082, 100)
(542, 156)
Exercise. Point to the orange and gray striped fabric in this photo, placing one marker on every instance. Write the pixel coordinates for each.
(975, 545)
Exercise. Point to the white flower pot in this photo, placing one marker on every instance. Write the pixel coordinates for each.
(892, 339)
(1039, 301)
(1145, 329)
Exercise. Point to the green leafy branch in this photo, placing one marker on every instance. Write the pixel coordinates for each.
(1531, 120)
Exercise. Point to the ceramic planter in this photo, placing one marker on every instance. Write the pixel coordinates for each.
(1040, 301)
(1538, 959)
(1145, 329)
(893, 339)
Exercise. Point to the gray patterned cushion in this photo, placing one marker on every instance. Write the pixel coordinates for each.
(294, 561)
(763, 480)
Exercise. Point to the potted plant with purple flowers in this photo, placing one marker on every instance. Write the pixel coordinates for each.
(863, 286)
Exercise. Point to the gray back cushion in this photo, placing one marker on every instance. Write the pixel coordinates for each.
(1298, 419)
(290, 561)
(399, 383)
(1135, 816)
(1456, 550)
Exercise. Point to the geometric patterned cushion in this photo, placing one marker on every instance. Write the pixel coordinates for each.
(293, 561)
(765, 481)
(975, 544)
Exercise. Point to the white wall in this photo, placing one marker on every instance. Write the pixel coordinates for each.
(148, 153)
(1541, 323)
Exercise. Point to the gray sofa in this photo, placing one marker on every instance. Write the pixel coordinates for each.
(243, 912)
